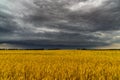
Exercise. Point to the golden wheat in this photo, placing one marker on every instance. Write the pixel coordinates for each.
(59, 65)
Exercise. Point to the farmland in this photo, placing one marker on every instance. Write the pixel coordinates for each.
(59, 65)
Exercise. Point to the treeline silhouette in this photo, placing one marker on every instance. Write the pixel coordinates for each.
(58, 49)
(34, 49)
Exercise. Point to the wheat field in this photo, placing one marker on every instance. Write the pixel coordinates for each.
(59, 65)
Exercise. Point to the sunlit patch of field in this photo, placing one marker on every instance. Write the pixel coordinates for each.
(59, 65)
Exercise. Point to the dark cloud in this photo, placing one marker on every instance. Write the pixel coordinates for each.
(30, 44)
(61, 23)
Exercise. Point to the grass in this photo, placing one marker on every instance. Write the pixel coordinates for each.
(59, 65)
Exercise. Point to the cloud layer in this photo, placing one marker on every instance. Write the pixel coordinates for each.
(60, 23)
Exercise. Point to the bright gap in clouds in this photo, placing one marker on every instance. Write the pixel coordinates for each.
(9, 46)
(86, 6)
(44, 30)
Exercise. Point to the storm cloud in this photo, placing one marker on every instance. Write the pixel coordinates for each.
(59, 23)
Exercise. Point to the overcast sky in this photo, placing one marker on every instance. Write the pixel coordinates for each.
(60, 24)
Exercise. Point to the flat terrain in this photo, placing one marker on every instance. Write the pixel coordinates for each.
(59, 65)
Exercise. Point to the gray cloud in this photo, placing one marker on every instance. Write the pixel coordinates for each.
(42, 23)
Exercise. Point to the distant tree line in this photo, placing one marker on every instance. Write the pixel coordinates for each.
(56, 49)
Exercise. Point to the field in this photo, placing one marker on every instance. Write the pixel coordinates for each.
(59, 65)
